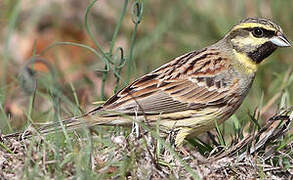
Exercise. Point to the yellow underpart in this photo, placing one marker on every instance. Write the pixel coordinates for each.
(177, 115)
(182, 134)
(192, 117)
(190, 122)
(249, 65)
(253, 25)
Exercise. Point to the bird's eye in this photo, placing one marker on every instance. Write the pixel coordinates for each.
(257, 32)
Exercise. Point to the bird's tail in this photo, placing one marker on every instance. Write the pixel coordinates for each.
(86, 120)
(48, 128)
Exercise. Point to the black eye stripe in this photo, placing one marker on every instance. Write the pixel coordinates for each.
(267, 33)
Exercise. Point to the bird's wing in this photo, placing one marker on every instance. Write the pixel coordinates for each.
(195, 80)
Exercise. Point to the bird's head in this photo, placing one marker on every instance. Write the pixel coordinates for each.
(256, 38)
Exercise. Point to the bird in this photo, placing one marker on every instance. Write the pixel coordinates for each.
(194, 91)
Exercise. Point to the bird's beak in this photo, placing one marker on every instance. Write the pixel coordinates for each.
(280, 40)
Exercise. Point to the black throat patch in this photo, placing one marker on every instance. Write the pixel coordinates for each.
(262, 52)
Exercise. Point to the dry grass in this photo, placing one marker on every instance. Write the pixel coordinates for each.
(267, 153)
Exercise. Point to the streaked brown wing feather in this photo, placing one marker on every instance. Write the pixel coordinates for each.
(194, 80)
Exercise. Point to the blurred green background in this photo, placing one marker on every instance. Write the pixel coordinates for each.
(167, 29)
(52, 68)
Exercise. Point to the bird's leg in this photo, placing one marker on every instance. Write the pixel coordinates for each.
(180, 136)
(176, 138)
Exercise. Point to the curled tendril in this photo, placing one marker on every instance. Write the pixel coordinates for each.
(27, 80)
(27, 77)
(120, 62)
(106, 62)
(136, 12)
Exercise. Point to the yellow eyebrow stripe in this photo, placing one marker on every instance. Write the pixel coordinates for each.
(252, 25)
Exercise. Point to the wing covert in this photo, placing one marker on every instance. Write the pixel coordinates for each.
(194, 80)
